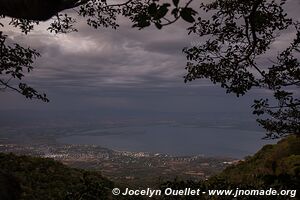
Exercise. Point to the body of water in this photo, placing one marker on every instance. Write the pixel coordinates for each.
(175, 140)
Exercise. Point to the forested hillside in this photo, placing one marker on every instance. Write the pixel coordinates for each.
(274, 166)
(24, 177)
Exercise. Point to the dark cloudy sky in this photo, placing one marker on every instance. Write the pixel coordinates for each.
(123, 71)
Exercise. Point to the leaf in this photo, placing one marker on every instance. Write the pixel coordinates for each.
(158, 25)
(186, 14)
(162, 11)
(175, 2)
(175, 12)
(152, 9)
(144, 24)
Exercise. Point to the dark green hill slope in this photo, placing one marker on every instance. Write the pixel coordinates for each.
(274, 166)
(280, 162)
(30, 178)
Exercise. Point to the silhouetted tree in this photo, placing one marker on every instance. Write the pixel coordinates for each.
(240, 32)
(14, 60)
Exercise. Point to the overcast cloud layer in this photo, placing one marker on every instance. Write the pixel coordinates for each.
(125, 57)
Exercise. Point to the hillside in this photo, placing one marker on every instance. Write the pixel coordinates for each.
(274, 166)
(280, 162)
(31, 178)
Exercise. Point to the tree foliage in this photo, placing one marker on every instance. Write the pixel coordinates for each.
(274, 166)
(14, 60)
(238, 33)
(31, 178)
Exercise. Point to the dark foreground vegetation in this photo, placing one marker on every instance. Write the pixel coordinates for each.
(23, 177)
(274, 166)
